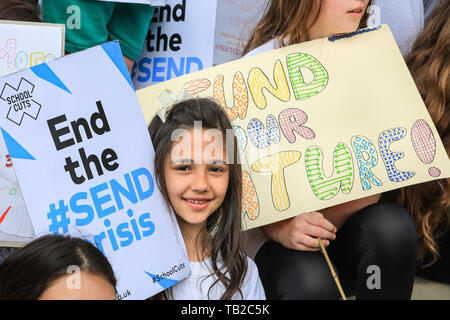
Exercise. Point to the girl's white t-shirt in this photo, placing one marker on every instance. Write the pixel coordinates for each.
(197, 284)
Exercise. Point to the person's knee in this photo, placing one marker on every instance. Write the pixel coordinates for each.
(390, 235)
(391, 224)
(313, 280)
(387, 252)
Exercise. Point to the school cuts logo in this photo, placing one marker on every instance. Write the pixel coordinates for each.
(20, 101)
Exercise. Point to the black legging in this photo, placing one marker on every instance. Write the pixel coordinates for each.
(381, 234)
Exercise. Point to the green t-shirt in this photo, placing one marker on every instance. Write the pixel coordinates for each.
(90, 23)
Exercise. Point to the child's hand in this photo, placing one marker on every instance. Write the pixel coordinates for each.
(302, 231)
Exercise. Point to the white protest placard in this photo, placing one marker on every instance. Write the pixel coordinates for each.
(180, 41)
(187, 36)
(26, 44)
(22, 45)
(84, 160)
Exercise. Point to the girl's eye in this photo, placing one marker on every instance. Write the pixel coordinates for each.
(183, 168)
(217, 169)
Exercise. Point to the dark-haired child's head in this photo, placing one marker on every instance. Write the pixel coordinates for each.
(56, 268)
(197, 165)
(19, 10)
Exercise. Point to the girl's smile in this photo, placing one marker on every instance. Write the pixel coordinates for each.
(197, 203)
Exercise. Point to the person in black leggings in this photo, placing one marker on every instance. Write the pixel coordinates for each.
(381, 235)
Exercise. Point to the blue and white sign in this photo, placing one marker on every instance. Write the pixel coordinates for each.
(84, 160)
(180, 41)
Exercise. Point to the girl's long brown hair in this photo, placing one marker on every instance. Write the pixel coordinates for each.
(223, 226)
(429, 64)
(287, 21)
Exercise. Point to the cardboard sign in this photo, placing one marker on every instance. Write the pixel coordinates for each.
(26, 44)
(187, 36)
(84, 160)
(180, 40)
(22, 45)
(320, 123)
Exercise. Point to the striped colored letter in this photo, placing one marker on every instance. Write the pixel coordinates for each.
(342, 178)
(302, 89)
(276, 164)
(257, 81)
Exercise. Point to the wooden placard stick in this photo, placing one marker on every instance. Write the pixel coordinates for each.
(333, 273)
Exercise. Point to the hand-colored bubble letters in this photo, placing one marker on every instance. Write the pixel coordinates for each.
(291, 120)
(258, 81)
(385, 139)
(279, 127)
(275, 164)
(342, 179)
(250, 202)
(302, 89)
(20, 60)
(367, 158)
(239, 93)
(424, 144)
(263, 138)
(9, 51)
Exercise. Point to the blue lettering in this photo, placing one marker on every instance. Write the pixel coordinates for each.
(145, 222)
(98, 201)
(81, 209)
(158, 69)
(144, 69)
(195, 60)
(123, 232)
(172, 66)
(117, 189)
(134, 225)
(143, 172)
(98, 241)
(112, 237)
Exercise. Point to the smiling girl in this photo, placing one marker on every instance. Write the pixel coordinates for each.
(200, 178)
(364, 236)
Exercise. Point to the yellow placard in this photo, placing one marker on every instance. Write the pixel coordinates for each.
(320, 123)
